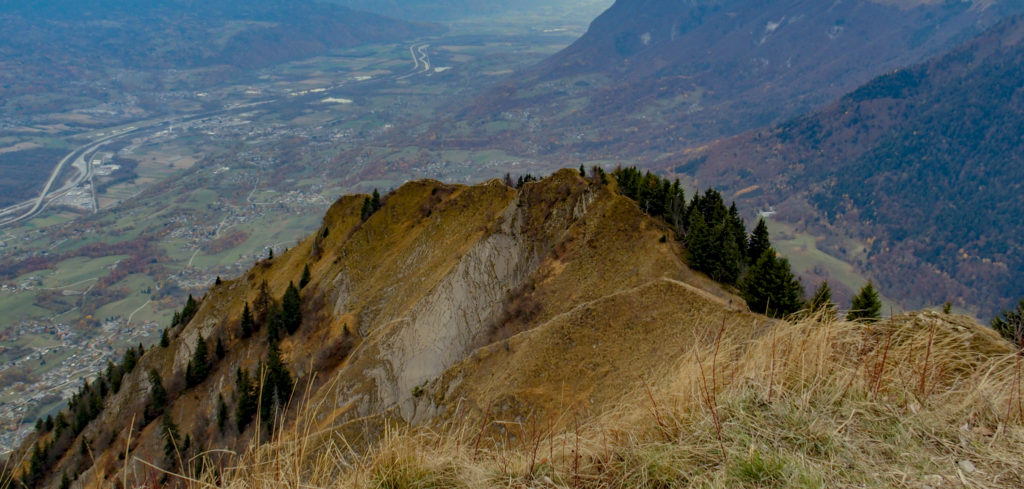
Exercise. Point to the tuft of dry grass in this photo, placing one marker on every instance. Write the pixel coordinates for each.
(918, 401)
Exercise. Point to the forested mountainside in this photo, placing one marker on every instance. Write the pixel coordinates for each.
(924, 163)
(652, 76)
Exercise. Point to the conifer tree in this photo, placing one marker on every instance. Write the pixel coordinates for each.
(729, 256)
(275, 326)
(1010, 324)
(710, 205)
(169, 432)
(291, 309)
(248, 324)
(114, 376)
(739, 232)
(759, 242)
(222, 413)
(675, 208)
(157, 395)
(190, 310)
(822, 303)
(261, 306)
(713, 249)
(370, 205)
(36, 468)
(199, 366)
(700, 244)
(367, 209)
(130, 359)
(770, 287)
(306, 277)
(583, 171)
(866, 305)
(246, 402)
(219, 350)
(165, 340)
(60, 423)
(277, 384)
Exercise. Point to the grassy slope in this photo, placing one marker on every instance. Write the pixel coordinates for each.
(924, 400)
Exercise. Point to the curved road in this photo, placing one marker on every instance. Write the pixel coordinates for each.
(420, 60)
(80, 159)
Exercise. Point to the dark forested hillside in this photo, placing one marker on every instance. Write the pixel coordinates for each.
(926, 163)
(656, 75)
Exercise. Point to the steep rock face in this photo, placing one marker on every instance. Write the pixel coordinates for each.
(447, 323)
(401, 352)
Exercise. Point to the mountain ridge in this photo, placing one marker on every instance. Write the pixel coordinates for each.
(443, 306)
(437, 273)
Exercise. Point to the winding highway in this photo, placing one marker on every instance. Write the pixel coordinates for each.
(81, 160)
(420, 60)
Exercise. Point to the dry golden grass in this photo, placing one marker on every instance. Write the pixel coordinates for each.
(923, 400)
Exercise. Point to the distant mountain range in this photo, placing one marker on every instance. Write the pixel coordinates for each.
(655, 75)
(183, 33)
(436, 11)
(55, 54)
(924, 163)
(459, 10)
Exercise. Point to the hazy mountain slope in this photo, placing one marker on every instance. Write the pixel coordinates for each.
(66, 54)
(438, 10)
(925, 162)
(182, 34)
(654, 75)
